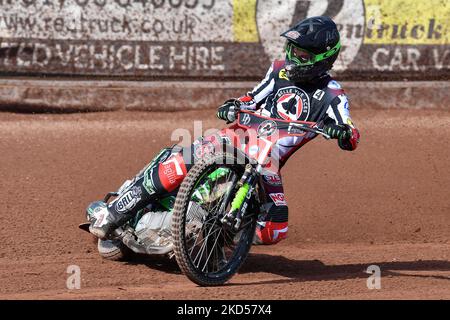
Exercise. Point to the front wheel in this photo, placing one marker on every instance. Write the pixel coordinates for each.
(208, 252)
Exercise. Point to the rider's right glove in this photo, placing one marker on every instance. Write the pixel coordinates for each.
(228, 110)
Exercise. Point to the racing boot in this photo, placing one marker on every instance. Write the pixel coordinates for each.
(106, 218)
(103, 221)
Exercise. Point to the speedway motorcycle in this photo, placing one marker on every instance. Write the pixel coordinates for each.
(209, 225)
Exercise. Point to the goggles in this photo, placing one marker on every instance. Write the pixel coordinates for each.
(302, 57)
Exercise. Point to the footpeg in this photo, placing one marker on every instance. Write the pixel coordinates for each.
(84, 226)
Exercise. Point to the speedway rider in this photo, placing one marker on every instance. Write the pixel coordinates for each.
(297, 88)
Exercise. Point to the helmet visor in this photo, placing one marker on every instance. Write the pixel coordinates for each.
(298, 55)
(302, 57)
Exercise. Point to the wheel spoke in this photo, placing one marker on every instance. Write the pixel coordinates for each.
(228, 238)
(205, 242)
(197, 236)
(214, 245)
(212, 211)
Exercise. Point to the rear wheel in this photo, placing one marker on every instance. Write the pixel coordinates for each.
(113, 250)
(208, 252)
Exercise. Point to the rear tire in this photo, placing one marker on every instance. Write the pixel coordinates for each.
(113, 250)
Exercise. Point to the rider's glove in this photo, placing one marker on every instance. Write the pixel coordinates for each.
(351, 140)
(228, 110)
(336, 131)
(348, 137)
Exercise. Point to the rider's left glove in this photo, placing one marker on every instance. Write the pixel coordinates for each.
(228, 110)
(341, 132)
(348, 137)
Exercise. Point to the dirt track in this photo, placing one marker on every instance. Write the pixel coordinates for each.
(385, 204)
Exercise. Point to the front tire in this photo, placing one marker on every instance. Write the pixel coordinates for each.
(225, 251)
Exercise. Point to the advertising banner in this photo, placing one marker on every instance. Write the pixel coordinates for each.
(217, 39)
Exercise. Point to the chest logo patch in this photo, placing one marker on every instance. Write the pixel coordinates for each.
(282, 74)
(292, 103)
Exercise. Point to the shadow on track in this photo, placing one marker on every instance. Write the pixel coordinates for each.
(308, 270)
(315, 270)
(160, 263)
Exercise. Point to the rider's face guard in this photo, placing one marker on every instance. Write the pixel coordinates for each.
(303, 57)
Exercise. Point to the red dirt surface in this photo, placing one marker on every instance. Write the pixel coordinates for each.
(386, 204)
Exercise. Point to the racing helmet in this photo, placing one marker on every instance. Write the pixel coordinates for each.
(312, 47)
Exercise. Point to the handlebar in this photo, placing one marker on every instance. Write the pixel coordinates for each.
(306, 128)
(299, 126)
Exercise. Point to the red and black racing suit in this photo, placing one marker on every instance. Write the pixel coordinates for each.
(322, 102)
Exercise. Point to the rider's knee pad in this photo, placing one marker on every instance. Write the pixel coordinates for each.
(149, 184)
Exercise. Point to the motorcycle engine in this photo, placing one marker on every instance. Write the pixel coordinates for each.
(153, 229)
